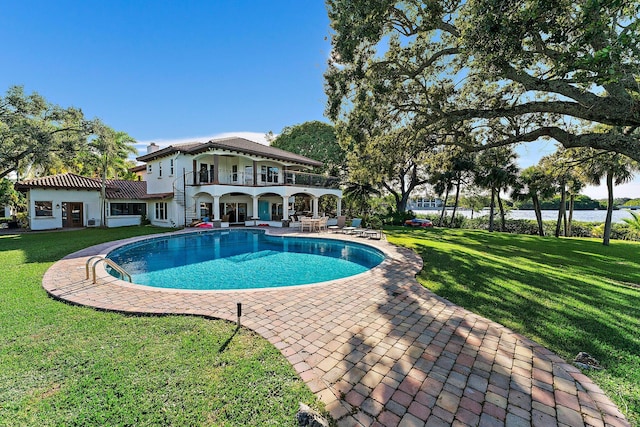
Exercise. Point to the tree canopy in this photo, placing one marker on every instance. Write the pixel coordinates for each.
(526, 69)
(37, 134)
(316, 140)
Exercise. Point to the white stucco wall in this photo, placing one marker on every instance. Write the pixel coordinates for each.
(123, 220)
(157, 183)
(90, 206)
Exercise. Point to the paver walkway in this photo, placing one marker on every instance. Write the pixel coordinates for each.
(378, 348)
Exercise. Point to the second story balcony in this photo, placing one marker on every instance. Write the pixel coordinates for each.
(288, 178)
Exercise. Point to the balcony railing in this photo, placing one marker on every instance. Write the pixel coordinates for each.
(304, 179)
(290, 178)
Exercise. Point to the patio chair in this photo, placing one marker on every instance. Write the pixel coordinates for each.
(342, 220)
(306, 222)
(322, 224)
(354, 227)
(374, 231)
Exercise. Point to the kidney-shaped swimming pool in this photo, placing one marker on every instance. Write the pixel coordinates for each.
(241, 259)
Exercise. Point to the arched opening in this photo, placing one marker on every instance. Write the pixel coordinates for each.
(301, 204)
(270, 207)
(234, 208)
(203, 207)
(328, 205)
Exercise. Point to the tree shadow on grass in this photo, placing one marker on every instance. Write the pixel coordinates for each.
(51, 246)
(446, 356)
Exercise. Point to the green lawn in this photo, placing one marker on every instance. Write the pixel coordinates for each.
(569, 295)
(75, 366)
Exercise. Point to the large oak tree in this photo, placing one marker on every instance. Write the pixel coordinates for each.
(316, 140)
(37, 134)
(554, 67)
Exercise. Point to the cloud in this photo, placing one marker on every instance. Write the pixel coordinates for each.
(258, 137)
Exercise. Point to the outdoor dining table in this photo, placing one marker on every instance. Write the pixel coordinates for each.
(315, 224)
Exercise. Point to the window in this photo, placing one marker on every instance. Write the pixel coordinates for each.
(44, 208)
(171, 167)
(234, 173)
(204, 174)
(269, 174)
(161, 210)
(148, 167)
(272, 174)
(127, 209)
(206, 210)
(160, 170)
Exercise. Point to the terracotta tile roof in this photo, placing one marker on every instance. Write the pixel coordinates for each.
(116, 188)
(175, 148)
(62, 181)
(120, 189)
(158, 196)
(232, 144)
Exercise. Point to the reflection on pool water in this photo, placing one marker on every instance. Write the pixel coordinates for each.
(241, 259)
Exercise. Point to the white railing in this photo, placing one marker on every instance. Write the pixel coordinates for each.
(291, 178)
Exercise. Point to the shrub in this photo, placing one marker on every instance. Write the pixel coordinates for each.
(397, 218)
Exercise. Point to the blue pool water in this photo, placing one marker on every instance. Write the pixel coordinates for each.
(241, 259)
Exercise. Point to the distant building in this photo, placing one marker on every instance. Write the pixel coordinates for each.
(424, 202)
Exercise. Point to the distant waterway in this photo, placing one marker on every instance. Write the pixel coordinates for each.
(547, 215)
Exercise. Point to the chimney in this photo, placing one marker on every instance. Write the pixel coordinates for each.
(153, 147)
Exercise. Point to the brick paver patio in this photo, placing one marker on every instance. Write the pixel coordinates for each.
(378, 348)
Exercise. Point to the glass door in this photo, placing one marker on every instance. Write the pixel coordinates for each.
(234, 213)
(242, 212)
(72, 214)
(248, 175)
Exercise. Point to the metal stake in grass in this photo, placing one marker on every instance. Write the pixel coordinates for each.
(239, 313)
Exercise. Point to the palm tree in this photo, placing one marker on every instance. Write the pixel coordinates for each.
(110, 149)
(535, 184)
(616, 169)
(358, 195)
(496, 170)
(449, 169)
(633, 223)
(562, 167)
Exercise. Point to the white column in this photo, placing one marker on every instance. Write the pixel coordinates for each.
(285, 208)
(315, 206)
(339, 207)
(216, 207)
(255, 207)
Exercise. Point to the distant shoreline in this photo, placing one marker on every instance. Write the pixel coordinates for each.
(580, 215)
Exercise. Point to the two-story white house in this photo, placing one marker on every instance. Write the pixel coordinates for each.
(231, 181)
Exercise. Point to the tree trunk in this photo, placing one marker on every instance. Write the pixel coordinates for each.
(561, 210)
(103, 196)
(538, 211)
(492, 207)
(572, 199)
(564, 217)
(401, 203)
(444, 208)
(607, 221)
(455, 204)
(503, 226)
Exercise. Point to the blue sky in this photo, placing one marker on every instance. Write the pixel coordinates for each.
(163, 70)
(170, 71)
